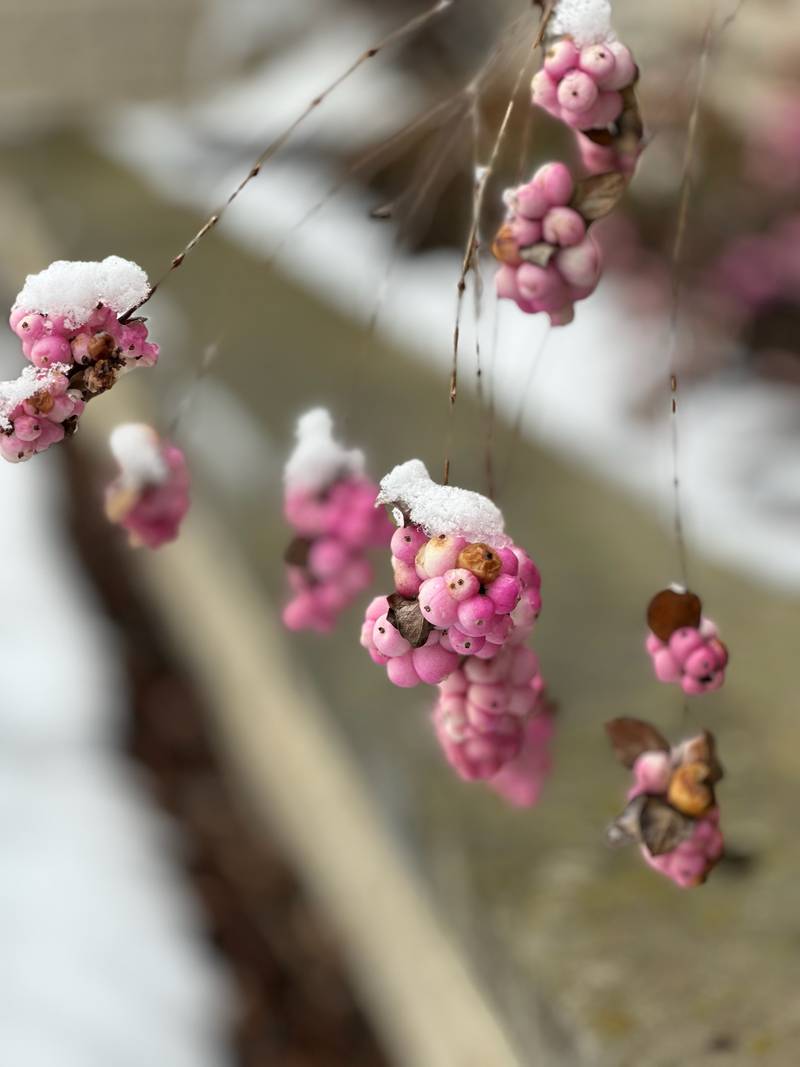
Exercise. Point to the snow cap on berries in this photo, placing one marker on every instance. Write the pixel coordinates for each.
(137, 449)
(586, 21)
(74, 289)
(318, 460)
(442, 509)
(32, 380)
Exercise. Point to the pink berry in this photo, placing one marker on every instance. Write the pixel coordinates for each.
(406, 542)
(652, 771)
(555, 182)
(579, 265)
(387, 639)
(624, 72)
(461, 584)
(577, 92)
(504, 592)
(544, 90)
(563, 226)
(464, 644)
(51, 349)
(561, 57)
(436, 603)
(597, 60)
(526, 232)
(439, 554)
(475, 615)
(406, 580)
(327, 557)
(401, 671)
(541, 284)
(433, 664)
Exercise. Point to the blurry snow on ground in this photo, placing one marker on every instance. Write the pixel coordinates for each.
(103, 959)
(740, 461)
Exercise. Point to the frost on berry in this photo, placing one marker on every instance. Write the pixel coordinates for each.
(67, 318)
(330, 504)
(150, 496)
(672, 809)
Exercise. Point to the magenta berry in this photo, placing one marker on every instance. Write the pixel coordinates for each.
(437, 605)
(475, 615)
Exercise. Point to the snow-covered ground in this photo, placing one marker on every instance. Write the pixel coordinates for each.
(103, 956)
(740, 438)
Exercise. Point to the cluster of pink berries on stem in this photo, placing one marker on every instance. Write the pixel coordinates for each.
(67, 318)
(549, 259)
(672, 811)
(683, 645)
(330, 504)
(150, 495)
(465, 600)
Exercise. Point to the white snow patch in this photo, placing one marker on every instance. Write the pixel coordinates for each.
(443, 509)
(75, 288)
(586, 21)
(137, 449)
(31, 380)
(318, 459)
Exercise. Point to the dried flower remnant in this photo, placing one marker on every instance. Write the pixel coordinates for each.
(683, 645)
(672, 810)
(66, 317)
(150, 496)
(330, 503)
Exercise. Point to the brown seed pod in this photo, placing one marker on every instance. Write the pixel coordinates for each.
(669, 611)
(690, 790)
(482, 560)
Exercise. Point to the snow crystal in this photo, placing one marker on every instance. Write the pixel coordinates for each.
(318, 460)
(30, 381)
(442, 509)
(137, 448)
(74, 289)
(586, 21)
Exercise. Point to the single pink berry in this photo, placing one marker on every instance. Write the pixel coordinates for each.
(436, 603)
(531, 201)
(464, 644)
(406, 579)
(406, 542)
(561, 57)
(541, 284)
(563, 226)
(51, 349)
(577, 92)
(433, 664)
(579, 265)
(544, 90)
(461, 584)
(327, 557)
(387, 639)
(401, 671)
(555, 182)
(475, 615)
(439, 554)
(504, 592)
(597, 60)
(624, 72)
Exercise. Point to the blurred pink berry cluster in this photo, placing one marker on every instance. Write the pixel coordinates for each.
(330, 504)
(458, 619)
(683, 645)
(582, 86)
(549, 261)
(150, 495)
(672, 810)
(67, 318)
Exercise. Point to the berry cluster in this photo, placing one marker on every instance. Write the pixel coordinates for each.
(548, 260)
(150, 496)
(672, 811)
(330, 504)
(683, 645)
(582, 86)
(67, 318)
(461, 610)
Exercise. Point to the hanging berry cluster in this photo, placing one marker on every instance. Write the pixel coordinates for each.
(672, 810)
(68, 320)
(330, 503)
(549, 258)
(465, 600)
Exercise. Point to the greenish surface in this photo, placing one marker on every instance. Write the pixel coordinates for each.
(575, 940)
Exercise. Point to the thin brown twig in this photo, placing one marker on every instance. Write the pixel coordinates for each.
(472, 241)
(275, 145)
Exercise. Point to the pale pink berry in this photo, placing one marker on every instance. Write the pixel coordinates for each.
(475, 615)
(27, 325)
(504, 592)
(464, 644)
(597, 60)
(50, 349)
(624, 72)
(531, 201)
(461, 584)
(577, 92)
(505, 282)
(683, 643)
(544, 90)
(563, 226)
(327, 556)
(436, 603)
(555, 182)
(562, 56)
(433, 664)
(520, 781)
(543, 285)
(652, 772)
(439, 554)
(406, 580)
(401, 671)
(508, 560)
(579, 265)
(406, 542)
(387, 639)
(526, 232)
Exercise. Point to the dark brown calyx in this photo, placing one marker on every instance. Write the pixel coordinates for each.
(669, 611)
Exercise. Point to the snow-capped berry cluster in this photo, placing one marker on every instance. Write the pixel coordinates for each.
(465, 600)
(582, 86)
(330, 503)
(684, 646)
(549, 261)
(150, 496)
(67, 318)
(672, 811)
(37, 410)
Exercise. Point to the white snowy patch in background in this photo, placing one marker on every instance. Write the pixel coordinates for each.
(442, 509)
(318, 459)
(586, 21)
(74, 288)
(137, 449)
(31, 380)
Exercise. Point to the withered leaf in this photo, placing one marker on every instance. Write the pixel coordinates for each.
(631, 737)
(662, 827)
(597, 196)
(296, 554)
(406, 617)
(669, 611)
(626, 827)
(540, 254)
(703, 749)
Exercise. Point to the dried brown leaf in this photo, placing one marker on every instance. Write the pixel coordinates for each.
(296, 554)
(669, 611)
(406, 617)
(631, 737)
(597, 196)
(540, 254)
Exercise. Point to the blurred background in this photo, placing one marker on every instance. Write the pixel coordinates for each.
(221, 845)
